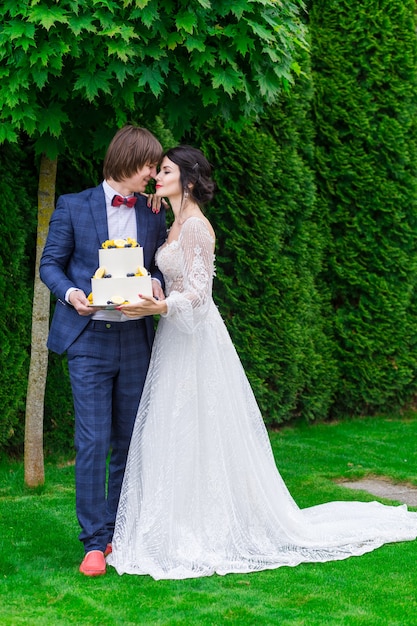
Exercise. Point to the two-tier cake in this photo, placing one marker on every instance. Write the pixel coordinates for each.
(121, 276)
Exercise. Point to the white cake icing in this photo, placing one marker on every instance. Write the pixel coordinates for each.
(120, 268)
(106, 289)
(119, 261)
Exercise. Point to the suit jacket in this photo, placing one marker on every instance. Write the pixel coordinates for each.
(77, 229)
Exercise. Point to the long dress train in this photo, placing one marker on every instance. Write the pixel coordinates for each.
(201, 492)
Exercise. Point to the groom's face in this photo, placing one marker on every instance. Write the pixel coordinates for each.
(138, 181)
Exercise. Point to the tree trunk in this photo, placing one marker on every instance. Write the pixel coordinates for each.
(38, 369)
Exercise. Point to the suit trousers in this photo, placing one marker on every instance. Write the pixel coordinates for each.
(108, 364)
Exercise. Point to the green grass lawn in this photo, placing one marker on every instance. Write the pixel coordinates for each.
(40, 552)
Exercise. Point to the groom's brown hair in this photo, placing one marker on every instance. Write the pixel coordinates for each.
(131, 148)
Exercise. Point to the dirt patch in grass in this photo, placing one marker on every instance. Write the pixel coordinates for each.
(406, 494)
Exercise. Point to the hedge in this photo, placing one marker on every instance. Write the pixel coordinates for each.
(364, 59)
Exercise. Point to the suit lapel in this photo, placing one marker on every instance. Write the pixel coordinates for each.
(98, 210)
(142, 215)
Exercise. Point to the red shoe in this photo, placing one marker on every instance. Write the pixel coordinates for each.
(108, 550)
(93, 564)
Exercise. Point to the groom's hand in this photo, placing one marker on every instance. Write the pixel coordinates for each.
(79, 301)
(157, 290)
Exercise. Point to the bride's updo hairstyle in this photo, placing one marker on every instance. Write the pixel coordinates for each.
(195, 173)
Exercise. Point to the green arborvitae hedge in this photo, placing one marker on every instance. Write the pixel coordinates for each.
(268, 256)
(304, 309)
(364, 58)
(319, 298)
(17, 227)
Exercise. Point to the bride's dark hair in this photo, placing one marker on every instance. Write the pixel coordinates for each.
(195, 172)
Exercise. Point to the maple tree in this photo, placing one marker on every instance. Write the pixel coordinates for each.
(65, 65)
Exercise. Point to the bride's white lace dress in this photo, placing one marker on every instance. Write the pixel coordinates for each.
(202, 493)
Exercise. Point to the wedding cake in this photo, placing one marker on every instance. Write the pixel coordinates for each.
(121, 276)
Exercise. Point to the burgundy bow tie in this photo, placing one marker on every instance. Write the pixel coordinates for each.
(129, 202)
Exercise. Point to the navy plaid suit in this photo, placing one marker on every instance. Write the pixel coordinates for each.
(107, 361)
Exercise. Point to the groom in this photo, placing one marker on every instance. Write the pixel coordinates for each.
(108, 354)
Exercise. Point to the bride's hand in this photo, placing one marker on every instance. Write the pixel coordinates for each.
(154, 202)
(146, 306)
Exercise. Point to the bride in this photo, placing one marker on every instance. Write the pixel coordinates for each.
(201, 492)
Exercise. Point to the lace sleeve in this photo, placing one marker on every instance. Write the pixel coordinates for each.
(188, 307)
